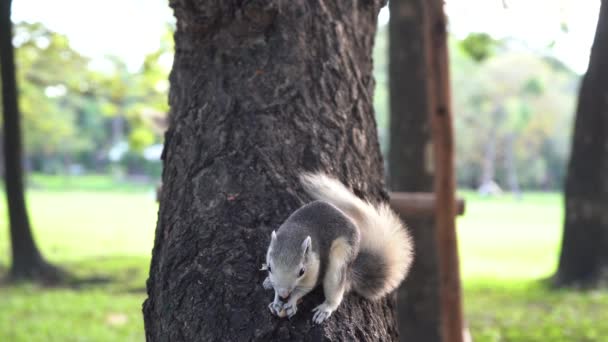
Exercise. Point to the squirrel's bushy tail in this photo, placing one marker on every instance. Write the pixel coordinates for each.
(386, 248)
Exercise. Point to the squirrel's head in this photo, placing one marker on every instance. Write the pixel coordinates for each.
(291, 264)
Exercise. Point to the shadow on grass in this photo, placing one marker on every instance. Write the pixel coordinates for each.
(78, 283)
(116, 274)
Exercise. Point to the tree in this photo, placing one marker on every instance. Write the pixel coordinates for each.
(584, 256)
(27, 261)
(519, 121)
(419, 312)
(259, 92)
(51, 138)
(87, 110)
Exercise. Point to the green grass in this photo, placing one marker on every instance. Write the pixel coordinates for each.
(90, 312)
(502, 238)
(508, 248)
(76, 225)
(95, 235)
(526, 310)
(89, 182)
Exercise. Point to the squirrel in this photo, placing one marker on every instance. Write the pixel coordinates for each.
(339, 241)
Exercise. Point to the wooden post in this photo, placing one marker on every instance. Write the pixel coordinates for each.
(443, 150)
(419, 204)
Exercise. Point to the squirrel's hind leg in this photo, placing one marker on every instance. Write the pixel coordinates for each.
(334, 282)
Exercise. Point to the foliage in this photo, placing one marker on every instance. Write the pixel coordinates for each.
(521, 101)
(479, 46)
(49, 100)
(525, 106)
(75, 112)
(518, 100)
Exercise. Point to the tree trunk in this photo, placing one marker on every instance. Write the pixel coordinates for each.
(118, 128)
(27, 261)
(410, 165)
(488, 171)
(511, 166)
(2, 167)
(584, 255)
(260, 91)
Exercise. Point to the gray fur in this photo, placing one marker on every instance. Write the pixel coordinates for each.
(320, 220)
(305, 241)
(322, 243)
(369, 272)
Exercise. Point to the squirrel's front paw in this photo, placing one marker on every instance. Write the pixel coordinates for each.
(276, 309)
(267, 284)
(322, 312)
(290, 309)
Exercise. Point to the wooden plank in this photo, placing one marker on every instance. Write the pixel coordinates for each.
(419, 204)
(445, 184)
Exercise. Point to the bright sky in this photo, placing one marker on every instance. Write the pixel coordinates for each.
(131, 28)
(128, 29)
(534, 23)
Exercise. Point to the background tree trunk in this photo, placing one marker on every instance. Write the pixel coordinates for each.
(410, 165)
(27, 261)
(2, 166)
(260, 91)
(584, 255)
(511, 166)
(488, 172)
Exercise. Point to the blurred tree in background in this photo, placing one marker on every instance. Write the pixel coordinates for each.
(27, 260)
(513, 112)
(584, 256)
(513, 109)
(52, 78)
(78, 117)
(411, 102)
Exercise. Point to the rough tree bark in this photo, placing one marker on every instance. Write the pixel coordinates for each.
(410, 165)
(260, 91)
(27, 261)
(584, 254)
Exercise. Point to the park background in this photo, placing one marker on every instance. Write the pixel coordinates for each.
(93, 102)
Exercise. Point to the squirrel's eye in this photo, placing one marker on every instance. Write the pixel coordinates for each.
(269, 269)
(301, 271)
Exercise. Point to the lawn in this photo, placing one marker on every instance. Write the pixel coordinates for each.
(508, 250)
(105, 234)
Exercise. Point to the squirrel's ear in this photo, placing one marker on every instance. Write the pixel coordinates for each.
(306, 244)
(273, 236)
